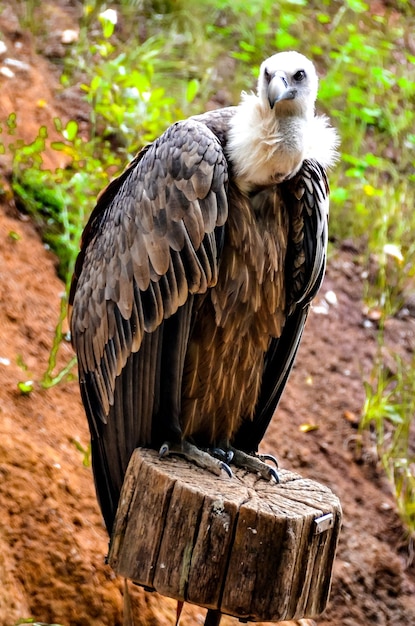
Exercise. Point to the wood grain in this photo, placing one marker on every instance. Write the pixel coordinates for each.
(245, 546)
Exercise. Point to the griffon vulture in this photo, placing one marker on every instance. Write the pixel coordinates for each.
(196, 272)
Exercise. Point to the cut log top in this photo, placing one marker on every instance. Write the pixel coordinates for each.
(255, 550)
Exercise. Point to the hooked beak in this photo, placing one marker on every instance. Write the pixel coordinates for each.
(278, 89)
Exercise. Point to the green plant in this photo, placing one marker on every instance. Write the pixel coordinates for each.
(128, 104)
(85, 451)
(57, 201)
(50, 376)
(389, 410)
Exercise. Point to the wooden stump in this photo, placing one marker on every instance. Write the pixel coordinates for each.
(255, 550)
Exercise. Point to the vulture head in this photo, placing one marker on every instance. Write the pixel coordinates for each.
(274, 130)
(288, 82)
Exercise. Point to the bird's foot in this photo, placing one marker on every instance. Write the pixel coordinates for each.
(217, 459)
(256, 463)
(202, 459)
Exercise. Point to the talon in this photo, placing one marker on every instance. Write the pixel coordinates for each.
(229, 456)
(274, 474)
(195, 455)
(164, 450)
(223, 455)
(226, 468)
(256, 463)
(268, 457)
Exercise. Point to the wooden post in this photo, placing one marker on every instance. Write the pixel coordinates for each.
(249, 548)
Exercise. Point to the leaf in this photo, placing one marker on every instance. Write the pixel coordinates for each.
(108, 21)
(14, 236)
(25, 387)
(192, 89)
(71, 130)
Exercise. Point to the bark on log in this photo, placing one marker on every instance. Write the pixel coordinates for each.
(252, 549)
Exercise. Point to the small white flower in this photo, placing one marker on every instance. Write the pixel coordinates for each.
(110, 15)
(69, 36)
(390, 249)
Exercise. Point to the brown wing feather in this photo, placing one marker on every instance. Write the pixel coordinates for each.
(150, 244)
(307, 197)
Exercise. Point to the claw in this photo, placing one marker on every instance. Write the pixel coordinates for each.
(226, 468)
(193, 454)
(274, 474)
(218, 459)
(255, 463)
(268, 457)
(164, 450)
(223, 455)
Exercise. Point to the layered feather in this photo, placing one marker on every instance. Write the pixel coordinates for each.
(193, 283)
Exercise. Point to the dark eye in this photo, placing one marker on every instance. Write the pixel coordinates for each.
(299, 76)
(267, 75)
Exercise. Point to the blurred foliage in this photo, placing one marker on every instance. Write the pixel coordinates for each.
(143, 64)
(388, 413)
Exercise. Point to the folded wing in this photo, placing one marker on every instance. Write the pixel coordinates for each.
(152, 242)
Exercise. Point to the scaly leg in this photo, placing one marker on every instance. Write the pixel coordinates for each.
(218, 459)
(256, 463)
(193, 454)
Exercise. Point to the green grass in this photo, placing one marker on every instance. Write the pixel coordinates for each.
(388, 413)
(159, 63)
